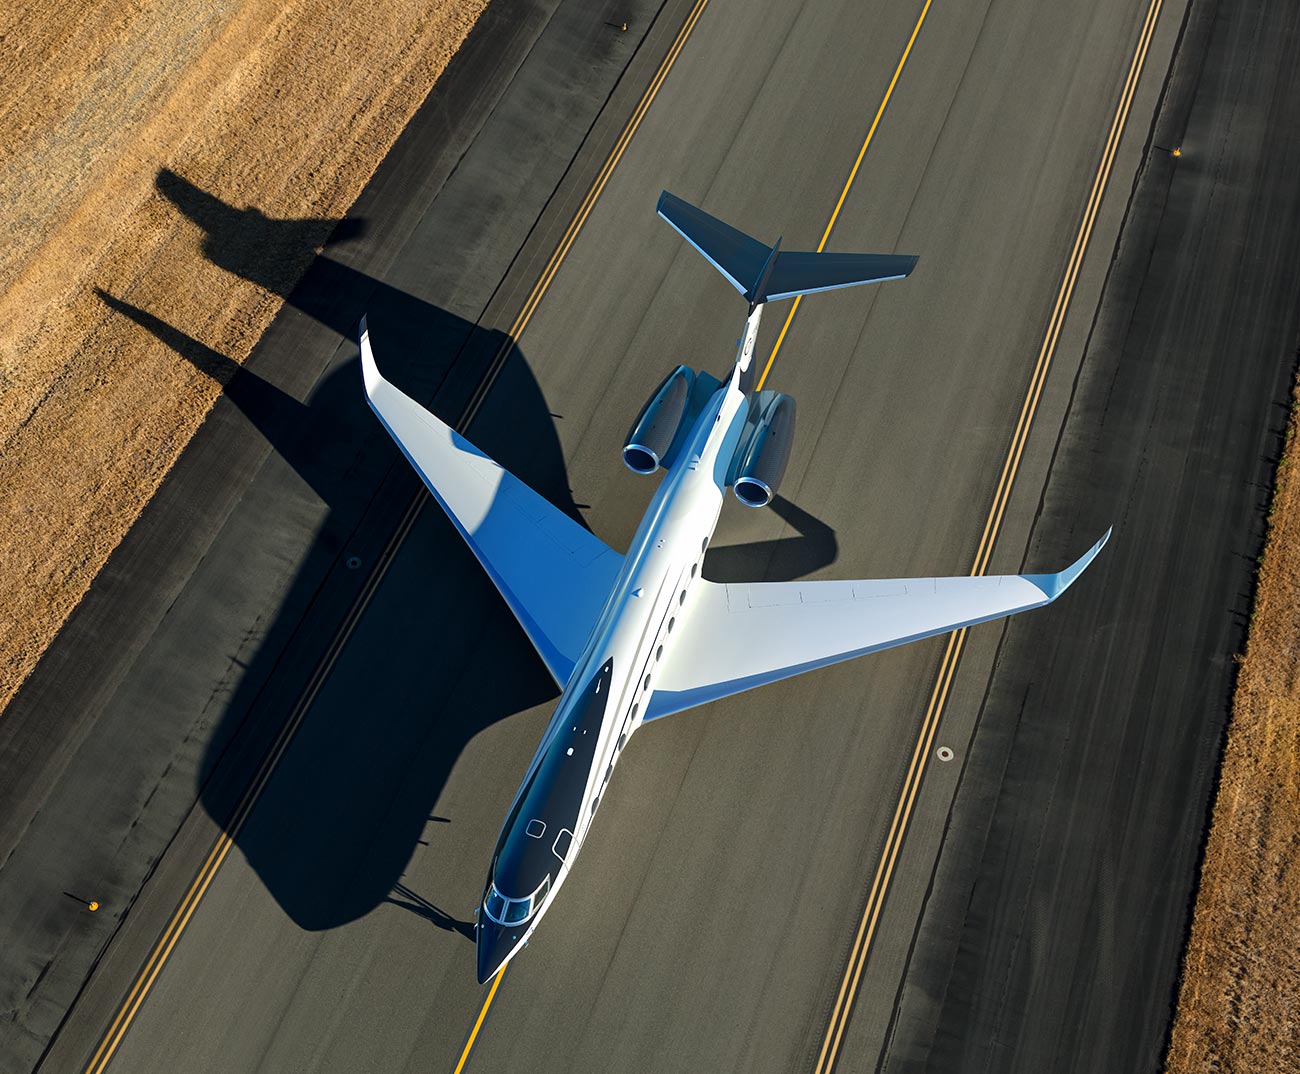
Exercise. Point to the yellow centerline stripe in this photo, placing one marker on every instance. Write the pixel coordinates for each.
(848, 988)
(853, 174)
(162, 950)
(956, 640)
(478, 1022)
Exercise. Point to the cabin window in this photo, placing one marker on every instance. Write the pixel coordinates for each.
(671, 624)
(562, 843)
(536, 828)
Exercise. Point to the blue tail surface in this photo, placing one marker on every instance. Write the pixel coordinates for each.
(766, 273)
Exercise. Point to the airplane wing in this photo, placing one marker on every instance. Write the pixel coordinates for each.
(736, 637)
(554, 574)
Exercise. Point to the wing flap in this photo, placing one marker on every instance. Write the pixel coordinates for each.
(554, 574)
(737, 637)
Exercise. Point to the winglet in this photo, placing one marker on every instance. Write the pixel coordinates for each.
(369, 371)
(1053, 585)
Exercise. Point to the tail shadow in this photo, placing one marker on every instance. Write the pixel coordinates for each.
(273, 253)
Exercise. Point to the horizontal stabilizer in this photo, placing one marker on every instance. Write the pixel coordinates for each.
(742, 636)
(804, 274)
(766, 273)
(733, 253)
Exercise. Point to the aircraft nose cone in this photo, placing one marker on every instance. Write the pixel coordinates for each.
(493, 943)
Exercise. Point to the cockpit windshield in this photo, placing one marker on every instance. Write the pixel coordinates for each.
(507, 911)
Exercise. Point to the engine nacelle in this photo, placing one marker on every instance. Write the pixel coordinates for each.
(655, 428)
(766, 453)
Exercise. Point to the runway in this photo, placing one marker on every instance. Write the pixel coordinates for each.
(712, 917)
(1059, 907)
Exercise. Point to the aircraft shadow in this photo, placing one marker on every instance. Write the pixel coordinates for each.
(350, 801)
(418, 904)
(420, 341)
(337, 825)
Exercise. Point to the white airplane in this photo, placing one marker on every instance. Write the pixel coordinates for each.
(635, 637)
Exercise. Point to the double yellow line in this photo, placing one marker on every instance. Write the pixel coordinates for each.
(162, 950)
(584, 210)
(848, 989)
(525, 315)
(567, 241)
(929, 725)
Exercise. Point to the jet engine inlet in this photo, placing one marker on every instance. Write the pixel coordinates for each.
(766, 455)
(652, 434)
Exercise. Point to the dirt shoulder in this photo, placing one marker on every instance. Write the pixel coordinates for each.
(1241, 973)
(288, 107)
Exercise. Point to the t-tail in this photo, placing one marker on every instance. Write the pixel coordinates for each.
(766, 273)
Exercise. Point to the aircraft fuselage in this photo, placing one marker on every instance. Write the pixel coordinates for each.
(603, 702)
(641, 636)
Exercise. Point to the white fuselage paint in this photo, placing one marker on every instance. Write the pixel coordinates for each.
(651, 595)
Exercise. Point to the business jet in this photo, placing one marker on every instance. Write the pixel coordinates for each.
(635, 637)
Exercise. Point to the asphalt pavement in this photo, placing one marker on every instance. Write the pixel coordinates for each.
(1058, 909)
(709, 921)
(217, 605)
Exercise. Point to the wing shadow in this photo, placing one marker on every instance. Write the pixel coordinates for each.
(338, 822)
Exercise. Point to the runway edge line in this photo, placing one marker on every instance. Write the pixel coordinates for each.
(162, 949)
(525, 315)
(947, 669)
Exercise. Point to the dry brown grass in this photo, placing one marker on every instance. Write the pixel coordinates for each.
(1239, 1006)
(288, 107)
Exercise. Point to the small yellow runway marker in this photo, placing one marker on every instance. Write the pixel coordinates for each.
(90, 904)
